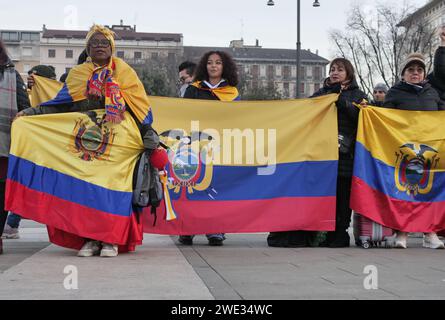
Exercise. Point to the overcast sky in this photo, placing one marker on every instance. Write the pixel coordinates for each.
(202, 22)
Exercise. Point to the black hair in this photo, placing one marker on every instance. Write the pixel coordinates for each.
(82, 57)
(230, 73)
(189, 66)
(3, 54)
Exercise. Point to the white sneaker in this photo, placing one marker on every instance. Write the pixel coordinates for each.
(109, 250)
(89, 249)
(400, 240)
(432, 241)
(10, 233)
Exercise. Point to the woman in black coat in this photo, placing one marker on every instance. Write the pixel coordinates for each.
(415, 94)
(341, 80)
(9, 78)
(215, 78)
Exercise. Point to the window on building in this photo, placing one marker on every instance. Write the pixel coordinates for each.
(254, 85)
(316, 87)
(27, 51)
(317, 73)
(154, 55)
(120, 54)
(69, 54)
(286, 89)
(302, 87)
(171, 56)
(270, 73)
(10, 36)
(138, 55)
(255, 71)
(51, 53)
(30, 36)
(286, 71)
(302, 72)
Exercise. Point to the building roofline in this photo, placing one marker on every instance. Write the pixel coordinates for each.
(418, 12)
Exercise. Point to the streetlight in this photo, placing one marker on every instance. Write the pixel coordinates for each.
(298, 62)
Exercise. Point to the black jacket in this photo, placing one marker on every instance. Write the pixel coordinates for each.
(194, 93)
(376, 103)
(437, 77)
(405, 96)
(347, 115)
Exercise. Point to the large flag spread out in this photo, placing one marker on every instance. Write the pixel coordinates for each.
(248, 166)
(76, 177)
(399, 178)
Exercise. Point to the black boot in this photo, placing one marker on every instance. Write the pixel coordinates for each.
(288, 239)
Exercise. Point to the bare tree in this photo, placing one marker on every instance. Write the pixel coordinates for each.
(377, 42)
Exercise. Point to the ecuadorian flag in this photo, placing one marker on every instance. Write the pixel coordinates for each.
(76, 177)
(248, 166)
(399, 178)
(44, 90)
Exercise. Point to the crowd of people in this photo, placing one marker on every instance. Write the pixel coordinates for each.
(215, 77)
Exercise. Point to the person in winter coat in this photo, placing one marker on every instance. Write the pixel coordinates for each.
(10, 83)
(379, 94)
(415, 94)
(437, 77)
(341, 80)
(11, 230)
(215, 78)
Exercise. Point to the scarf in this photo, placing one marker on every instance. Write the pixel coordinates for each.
(102, 84)
(117, 82)
(8, 106)
(223, 93)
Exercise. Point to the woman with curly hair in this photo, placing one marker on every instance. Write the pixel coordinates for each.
(216, 78)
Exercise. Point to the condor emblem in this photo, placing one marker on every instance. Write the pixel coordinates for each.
(191, 168)
(414, 172)
(91, 138)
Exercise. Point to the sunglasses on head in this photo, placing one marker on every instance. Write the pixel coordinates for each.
(96, 43)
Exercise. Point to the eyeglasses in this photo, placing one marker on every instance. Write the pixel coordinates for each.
(95, 43)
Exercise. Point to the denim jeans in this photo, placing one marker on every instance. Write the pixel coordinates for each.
(14, 220)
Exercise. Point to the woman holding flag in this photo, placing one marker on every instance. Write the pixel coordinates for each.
(416, 94)
(215, 78)
(341, 80)
(103, 82)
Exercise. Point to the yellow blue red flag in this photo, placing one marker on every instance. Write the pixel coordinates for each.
(74, 175)
(248, 166)
(44, 89)
(399, 169)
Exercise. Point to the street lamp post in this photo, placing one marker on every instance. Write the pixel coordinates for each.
(298, 60)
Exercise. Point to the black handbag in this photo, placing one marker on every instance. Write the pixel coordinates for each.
(345, 144)
(147, 186)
